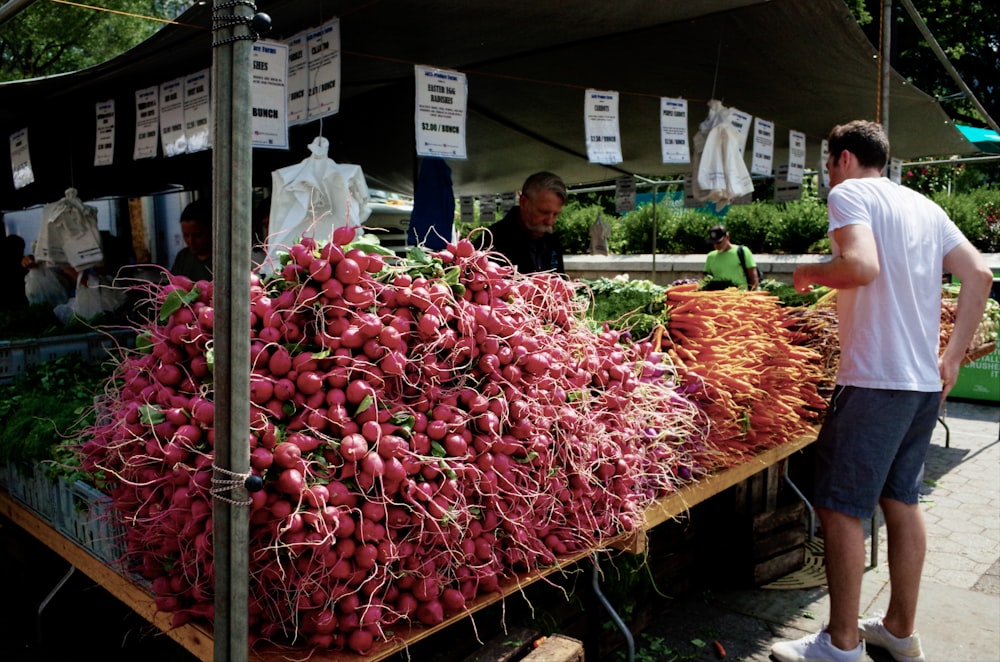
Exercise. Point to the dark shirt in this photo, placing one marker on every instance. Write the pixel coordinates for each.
(186, 264)
(529, 254)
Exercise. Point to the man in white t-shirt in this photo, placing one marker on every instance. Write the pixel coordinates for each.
(890, 246)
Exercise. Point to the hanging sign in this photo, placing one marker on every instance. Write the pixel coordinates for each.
(20, 159)
(762, 161)
(601, 120)
(104, 148)
(297, 79)
(674, 130)
(896, 170)
(198, 111)
(624, 194)
(172, 135)
(786, 190)
(147, 123)
(796, 156)
(268, 95)
(441, 112)
(741, 122)
(323, 70)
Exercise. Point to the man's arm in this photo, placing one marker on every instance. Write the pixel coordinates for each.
(965, 262)
(855, 264)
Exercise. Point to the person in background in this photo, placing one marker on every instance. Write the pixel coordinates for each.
(889, 248)
(526, 234)
(724, 261)
(195, 259)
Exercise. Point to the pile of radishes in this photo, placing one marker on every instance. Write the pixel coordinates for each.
(424, 428)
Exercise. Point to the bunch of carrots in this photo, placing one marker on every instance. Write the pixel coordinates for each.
(740, 361)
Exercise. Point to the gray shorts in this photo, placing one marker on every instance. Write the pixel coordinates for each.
(873, 444)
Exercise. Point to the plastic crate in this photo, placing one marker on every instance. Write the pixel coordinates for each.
(93, 523)
(17, 355)
(14, 357)
(33, 488)
(50, 349)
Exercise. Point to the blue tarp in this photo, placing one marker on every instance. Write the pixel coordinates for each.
(433, 214)
(987, 140)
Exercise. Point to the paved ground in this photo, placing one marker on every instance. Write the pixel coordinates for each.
(959, 613)
(959, 616)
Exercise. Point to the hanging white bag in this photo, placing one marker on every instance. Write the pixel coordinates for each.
(312, 198)
(69, 234)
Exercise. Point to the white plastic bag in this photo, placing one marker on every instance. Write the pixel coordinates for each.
(69, 234)
(313, 198)
(95, 295)
(721, 176)
(42, 285)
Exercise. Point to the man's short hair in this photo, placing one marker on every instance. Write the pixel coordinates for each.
(199, 211)
(865, 139)
(544, 181)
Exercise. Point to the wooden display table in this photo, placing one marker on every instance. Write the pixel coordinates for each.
(197, 638)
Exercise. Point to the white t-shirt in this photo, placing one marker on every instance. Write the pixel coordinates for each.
(889, 328)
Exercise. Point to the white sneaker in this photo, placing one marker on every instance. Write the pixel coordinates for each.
(815, 648)
(905, 649)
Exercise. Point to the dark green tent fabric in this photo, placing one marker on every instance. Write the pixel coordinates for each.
(802, 65)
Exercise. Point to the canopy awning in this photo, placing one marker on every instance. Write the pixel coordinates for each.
(804, 66)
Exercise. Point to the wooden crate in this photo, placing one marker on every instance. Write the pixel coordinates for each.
(557, 648)
(778, 542)
(506, 647)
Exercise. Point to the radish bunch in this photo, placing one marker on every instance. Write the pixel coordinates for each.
(424, 428)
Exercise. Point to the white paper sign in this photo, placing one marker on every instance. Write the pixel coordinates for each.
(298, 79)
(624, 194)
(785, 190)
(796, 156)
(441, 112)
(323, 54)
(268, 95)
(20, 159)
(674, 130)
(172, 135)
(741, 122)
(198, 111)
(601, 120)
(147, 123)
(896, 170)
(104, 148)
(762, 161)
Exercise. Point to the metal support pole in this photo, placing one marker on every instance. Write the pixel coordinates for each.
(886, 68)
(232, 192)
(611, 610)
(45, 602)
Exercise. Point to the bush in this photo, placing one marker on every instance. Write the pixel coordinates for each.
(977, 215)
(574, 225)
(755, 225)
(677, 231)
(795, 227)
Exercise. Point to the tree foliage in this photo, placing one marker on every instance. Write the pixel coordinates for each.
(48, 38)
(968, 31)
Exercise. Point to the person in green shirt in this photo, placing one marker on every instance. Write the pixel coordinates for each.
(725, 263)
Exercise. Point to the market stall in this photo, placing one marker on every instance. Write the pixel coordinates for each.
(473, 435)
